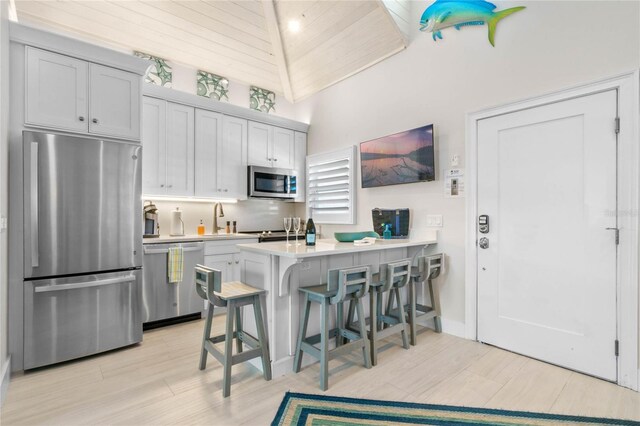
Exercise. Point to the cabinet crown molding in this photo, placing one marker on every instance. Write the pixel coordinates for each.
(30, 36)
(196, 101)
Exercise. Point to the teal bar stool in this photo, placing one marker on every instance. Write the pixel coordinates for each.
(232, 295)
(428, 269)
(382, 324)
(343, 285)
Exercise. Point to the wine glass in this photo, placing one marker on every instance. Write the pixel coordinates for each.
(287, 228)
(296, 227)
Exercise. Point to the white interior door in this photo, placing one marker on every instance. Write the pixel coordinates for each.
(547, 280)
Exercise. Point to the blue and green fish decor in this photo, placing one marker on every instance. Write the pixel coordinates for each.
(443, 14)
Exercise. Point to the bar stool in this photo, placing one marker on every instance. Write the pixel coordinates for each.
(428, 269)
(392, 277)
(233, 295)
(342, 285)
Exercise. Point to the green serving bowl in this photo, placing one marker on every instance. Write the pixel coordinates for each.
(349, 237)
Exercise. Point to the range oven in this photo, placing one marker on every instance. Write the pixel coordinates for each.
(267, 182)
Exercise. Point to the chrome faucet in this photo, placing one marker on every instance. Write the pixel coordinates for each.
(215, 217)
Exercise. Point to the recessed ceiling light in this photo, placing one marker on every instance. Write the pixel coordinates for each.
(294, 25)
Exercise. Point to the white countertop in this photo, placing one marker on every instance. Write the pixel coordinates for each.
(206, 237)
(327, 247)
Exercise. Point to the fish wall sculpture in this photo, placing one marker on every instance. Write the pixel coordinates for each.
(460, 13)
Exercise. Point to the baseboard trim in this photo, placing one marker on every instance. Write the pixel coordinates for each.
(4, 380)
(452, 327)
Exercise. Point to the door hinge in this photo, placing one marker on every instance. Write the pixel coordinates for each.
(617, 348)
(617, 125)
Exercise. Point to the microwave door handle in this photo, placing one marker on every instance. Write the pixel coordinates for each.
(87, 284)
(34, 205)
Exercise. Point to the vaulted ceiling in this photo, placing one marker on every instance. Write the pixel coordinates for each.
(292, 47)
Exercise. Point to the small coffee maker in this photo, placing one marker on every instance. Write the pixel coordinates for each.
(150, 220)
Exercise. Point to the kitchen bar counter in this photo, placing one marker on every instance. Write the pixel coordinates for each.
(330, 247)
(281, 270)
(163, 239)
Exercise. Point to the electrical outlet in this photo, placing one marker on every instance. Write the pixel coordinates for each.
(434, 220)
(455, 160)
(3, 223)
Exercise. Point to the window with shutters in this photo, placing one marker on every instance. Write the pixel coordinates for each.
(331, 187)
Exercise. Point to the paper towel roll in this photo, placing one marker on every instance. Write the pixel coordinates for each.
(177, 225)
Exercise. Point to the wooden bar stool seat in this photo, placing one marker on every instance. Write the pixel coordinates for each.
(232, 295)
(382, 324)
(428, 269)
(344, 285)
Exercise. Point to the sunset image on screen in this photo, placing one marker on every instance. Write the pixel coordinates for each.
(399, 158)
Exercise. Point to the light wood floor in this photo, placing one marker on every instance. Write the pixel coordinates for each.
(158, 382)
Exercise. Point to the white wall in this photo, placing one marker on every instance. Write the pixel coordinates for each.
(549, 46)
(4, 189)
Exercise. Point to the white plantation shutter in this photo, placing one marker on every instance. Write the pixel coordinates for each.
(331, 186)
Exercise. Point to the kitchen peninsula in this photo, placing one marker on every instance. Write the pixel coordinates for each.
(281, 269)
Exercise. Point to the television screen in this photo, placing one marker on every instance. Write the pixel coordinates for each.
(403, 157)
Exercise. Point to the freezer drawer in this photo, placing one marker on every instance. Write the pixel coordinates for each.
(162, 299)
(67, 318)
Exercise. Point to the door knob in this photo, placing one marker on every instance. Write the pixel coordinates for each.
(95, 121)
(81, 118)
(483, 243)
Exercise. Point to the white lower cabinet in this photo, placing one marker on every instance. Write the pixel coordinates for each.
(225, 257)
(225, 263)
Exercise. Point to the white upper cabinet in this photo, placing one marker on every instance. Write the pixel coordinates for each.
(114, 102)
(180, 150)
(208, 139)
(283, 151)
(260, 141)
(300, 165)
(271, 146)
(232, 158)
(154, 145)
(74, 95)
(56, 91)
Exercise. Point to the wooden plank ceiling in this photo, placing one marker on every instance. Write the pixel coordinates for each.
(250, 41)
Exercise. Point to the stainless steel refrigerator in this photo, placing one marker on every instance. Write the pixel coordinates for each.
(82, 247)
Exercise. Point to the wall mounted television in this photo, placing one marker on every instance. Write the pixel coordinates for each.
(404, 157)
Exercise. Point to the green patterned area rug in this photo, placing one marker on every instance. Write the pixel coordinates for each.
(305, 409)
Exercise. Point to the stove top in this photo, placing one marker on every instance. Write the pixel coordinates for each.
(280, 235)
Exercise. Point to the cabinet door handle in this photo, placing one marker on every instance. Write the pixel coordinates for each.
(169, 186)
(228, 263)
(162, 186)
(95, 121)
(275, 159)
(237, 262)
(81, 118)
(226, 190)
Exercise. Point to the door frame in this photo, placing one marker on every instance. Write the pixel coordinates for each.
(628, 86)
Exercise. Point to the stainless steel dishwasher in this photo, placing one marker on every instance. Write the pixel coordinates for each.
(162, 300)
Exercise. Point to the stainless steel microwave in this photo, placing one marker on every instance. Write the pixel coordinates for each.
(268, 182)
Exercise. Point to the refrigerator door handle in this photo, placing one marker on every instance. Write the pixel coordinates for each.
(34, 205)
(87, 284)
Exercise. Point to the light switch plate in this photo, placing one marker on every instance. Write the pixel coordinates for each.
(434, 220)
